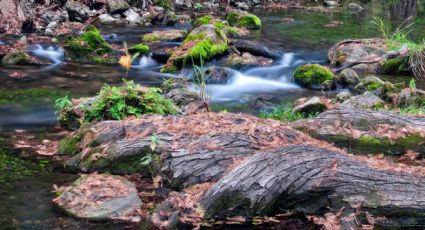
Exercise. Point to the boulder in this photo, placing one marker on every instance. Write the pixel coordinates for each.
(165, 35)
(367, 131)
(100, 197)
(217, 75)
(309, 105)
(244, 19)
(204, 42)
(183, 4)
(15, 57)
(375, 85)
(132, 17)
(314, 76)
(55, 16)
(117, 6)
(348, 78)
(88, 47)
(367, 100)
(255, 48)
(247, 59)
(351, 51)
(106, 19)
(77, 11)
(355, 7)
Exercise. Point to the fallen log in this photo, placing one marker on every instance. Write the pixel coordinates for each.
(313, 180)
(192, 149)
(367, 131)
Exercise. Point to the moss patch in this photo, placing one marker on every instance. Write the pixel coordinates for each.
(395, 66)
(23, 96)
(246, 20)
(205, 20)
(89, 46)
(139, 48)
(69, 145)
(311, 75)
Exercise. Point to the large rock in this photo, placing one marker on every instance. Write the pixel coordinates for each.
(100, 197)
(117, 6)
(367, 100)
(382, 89)
(15, 57)
(77, 11)
(204, 42)
(244, 19)
(348, 78)
(314, 76)
(367, 131)
(132, 16)
(350, 51)
(309, 105)
(255, 48)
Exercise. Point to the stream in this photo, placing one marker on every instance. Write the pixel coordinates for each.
(26, 102)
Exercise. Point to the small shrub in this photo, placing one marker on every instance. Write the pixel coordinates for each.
(116, 103)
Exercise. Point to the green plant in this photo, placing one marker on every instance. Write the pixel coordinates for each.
(413, 110)
(63, 103)
(284, 113)
(200, 79)
(128, 100)
(412, 84)
(154, 142)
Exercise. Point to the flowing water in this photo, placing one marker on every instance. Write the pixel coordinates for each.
(27, 92)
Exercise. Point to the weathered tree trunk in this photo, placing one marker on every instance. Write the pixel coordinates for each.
(11, 17)
(367, 131)
(312, 179)
(193, 149)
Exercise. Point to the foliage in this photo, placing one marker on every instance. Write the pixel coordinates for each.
(203, 20)
(412, 84)
(151, 37)
(312, 74)
(139, 48)
(129, 100)
(63, 103)
(200, 79)
(413, 110)
(284, 113)
(166, 4)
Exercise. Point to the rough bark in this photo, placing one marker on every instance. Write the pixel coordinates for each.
(312, 179)
(255, 48)
(367, 131)
(194, 148)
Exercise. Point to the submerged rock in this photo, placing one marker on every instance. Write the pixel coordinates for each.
(217, 75)
(247, 59)
(314, 76)
(241, 18)
(100, 197)
(165, 35)
(204, 42)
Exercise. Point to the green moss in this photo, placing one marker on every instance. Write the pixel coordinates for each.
(205, 47)
(89, 46)
(205, 20)
(140, 48)
(69, 145)
(233, 31)
(312, 75)
(246, 20)
(395, 66)
(169, 69)
(219, 25)
(151, 37)
(166, 4)
(14, 58)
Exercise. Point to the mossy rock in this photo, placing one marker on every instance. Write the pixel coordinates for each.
(314, 76)
(139, 48)
(243, 19)
(15, 57)
(88, 47)
(204, 20)
(69, 145)
(395, 66)
(204, 42)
